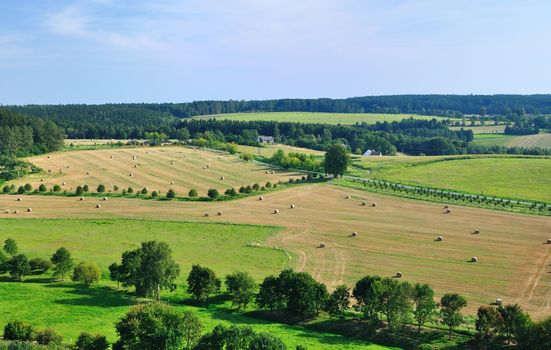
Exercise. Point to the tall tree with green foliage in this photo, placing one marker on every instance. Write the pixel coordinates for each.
(10, 246)
(87, 273)
(367, 293)
(202, 283)
(63, 262)
(424, 304)
(86, 341)
(18, 266)
(339, 301)
(336, 160)
(396, 302)
(515, 321)
(488, 323)
(242, 288)
(450, 310)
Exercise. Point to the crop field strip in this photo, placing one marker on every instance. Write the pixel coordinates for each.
(396, 235)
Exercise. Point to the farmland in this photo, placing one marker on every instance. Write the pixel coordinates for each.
(542, 140)
(316, 117)
(154, 168)
(504, 176)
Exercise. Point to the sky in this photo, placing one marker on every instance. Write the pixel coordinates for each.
(104, 51)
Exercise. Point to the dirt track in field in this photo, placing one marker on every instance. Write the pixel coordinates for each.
(397, 235)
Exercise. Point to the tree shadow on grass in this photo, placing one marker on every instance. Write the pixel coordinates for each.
(214, 300)
(98, 296)
(40, 280)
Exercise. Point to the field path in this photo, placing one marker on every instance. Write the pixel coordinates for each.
(397, 235)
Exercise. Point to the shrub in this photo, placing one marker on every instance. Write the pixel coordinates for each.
(28, 187)
(192, 193)
(40, 265)
(170, 194)
(130, 190)
(56, 188)
(101, 188)
(115, 188)
(87, 341)
(246, 156)
(21, 190)
(231, 192)
(213, 193)
(256, 187)
(268, 184)
(42, 188)
(154, 194)
(85, 188)
(48, 336)
(18, 330)
(87, 273)
(248, 189)
(79, 191)
(242, 189)
(6, 189)
(144, 190)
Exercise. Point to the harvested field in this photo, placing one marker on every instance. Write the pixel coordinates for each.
(152, 168)
(397, 235)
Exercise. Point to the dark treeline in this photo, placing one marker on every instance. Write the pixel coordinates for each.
(22, 136)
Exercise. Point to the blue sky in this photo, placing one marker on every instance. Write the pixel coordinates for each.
(99, 51)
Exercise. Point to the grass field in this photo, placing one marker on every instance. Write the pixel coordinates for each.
(397, 235)
(70, 308)
(497, 176)
(152, 168)
(482, 129)
(269, 149)
(542, 140)
(315, 117)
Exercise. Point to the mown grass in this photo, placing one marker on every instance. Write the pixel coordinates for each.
(503, 176)
(70, 308)
(315, 117)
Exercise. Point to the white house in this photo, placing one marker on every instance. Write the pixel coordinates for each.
(371, 152)
(265, 139)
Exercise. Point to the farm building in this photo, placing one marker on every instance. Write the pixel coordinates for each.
(265, 139)
(371, 152)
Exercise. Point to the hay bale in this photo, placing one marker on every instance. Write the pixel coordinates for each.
(293, 206)
(7, 211)
(87, 173)
(133, 157)
(135, 166)
(219, 213)
(67, 166)
(16, 211)
(222, 178)
(399, 274)
(64, 184)
(322, 245)
(273, 171)
(171, 163)
(41, 180)
(111, 157)
(373, 204)
(260, 198)
(98, 206)
(364, 203)
(208, 165)
(206, 214)
(476, 231)
(348, 196)
(276, 211)
(548, 240)
(446, 206)
(131, 174)
(172, 182)
(499, 301)
(81, 199)
(439, 238)
(474, 259)
(448, 211)
(104, 198)
(267, 172)
(19, 199)
(354, 234)
(29, 210)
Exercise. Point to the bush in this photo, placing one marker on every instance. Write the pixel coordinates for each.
(130, 190)
(79, 191)
(256, 187)
(42, 188)
(144, 190)
(231, 192)
(170, 194)
(28, 187)
(248, 189)
(246, 156)
(56, 188)
(101, 188)
(242, 189)
(115, 188)
(87, 273)
(18, 330)
(85, 188)
(48, 336)
(154, 194)
(21, 190)
(213, 193)
(87, 341)
(40, 265)
(6, 189)
(192, 193)
(268, 184)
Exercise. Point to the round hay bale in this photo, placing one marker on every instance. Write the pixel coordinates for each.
(348, 196)
(171, 163)
(48, 157)
(67, 166)
(474, 259)
(208, 165)
(548, 240)
(133, 157)
(7, 211)
(98, 206)
(29, 210)
(260, 198)
(293, 206)
(81, 199)
(131, 174)
(172, 182)
(206, 214)
(267, 172)
(354, 234)
(49, 170)
(219, 213)
(222, 178)
(87, 173)
(135, 166)
(446, 206)
(499, 301)
(476, 231)
(111, 157)
(439, 238)
(273, 171)
(373, 204)
(322, 245)
(399, 274)
(448, 211)
(16, 211)
(364, 203)
(104, 198)
(41, 180)
(276, 211)
(19, 199)
(64, 184)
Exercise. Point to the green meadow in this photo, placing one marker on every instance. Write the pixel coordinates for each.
(71, 308)
(327, 118)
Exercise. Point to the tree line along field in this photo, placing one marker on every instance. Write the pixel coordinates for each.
(396, 235)
(318, 117)
(503, 176)
(157, 168)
